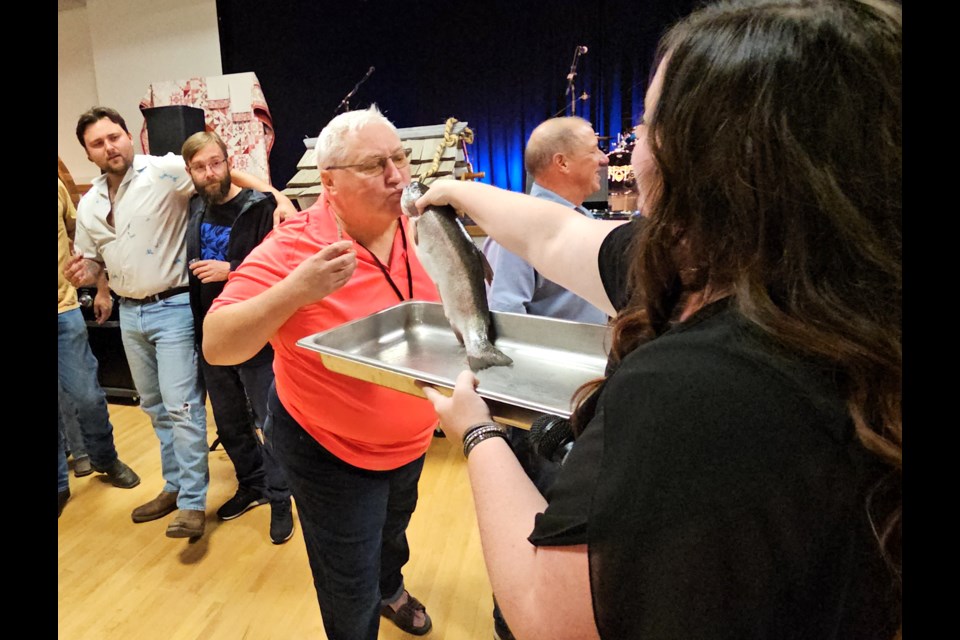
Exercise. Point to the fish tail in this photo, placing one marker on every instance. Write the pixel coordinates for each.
(489, 356)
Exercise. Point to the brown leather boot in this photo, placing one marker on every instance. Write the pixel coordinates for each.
(160, 506)
(189, 523)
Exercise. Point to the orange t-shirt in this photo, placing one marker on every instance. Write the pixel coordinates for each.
(363, 424)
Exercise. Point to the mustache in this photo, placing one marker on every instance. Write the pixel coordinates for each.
(215, 191)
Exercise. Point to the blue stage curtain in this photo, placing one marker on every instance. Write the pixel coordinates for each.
(500, 66)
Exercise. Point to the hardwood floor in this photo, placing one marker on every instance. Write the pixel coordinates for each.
(120, 580)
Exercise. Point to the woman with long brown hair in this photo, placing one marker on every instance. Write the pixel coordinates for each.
(737, 473)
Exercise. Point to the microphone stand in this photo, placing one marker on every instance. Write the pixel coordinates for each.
(583, 97)
(571, 91)
(346, 99)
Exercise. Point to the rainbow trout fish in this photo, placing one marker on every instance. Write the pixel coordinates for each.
(459, 269)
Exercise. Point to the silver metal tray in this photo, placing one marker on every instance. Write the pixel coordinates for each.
(413, 341)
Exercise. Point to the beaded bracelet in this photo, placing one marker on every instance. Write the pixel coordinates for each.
(479, 425)
(480, 432)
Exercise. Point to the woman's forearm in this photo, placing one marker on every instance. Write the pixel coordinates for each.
(560, 243)
(544, 592)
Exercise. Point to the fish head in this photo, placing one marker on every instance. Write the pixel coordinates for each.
(408, 200)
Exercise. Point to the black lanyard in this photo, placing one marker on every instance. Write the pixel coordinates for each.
(386, 274)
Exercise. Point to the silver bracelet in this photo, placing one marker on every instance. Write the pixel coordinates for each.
(472, 429)
(480, 432)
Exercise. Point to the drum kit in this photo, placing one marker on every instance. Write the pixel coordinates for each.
(621, 182)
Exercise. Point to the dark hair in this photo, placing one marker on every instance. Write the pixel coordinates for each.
(777, 138)
(94, 115)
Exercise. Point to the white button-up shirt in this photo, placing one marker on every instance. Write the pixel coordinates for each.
(145, 253)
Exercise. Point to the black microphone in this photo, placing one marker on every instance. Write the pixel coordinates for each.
(580, 50)
(551, 437)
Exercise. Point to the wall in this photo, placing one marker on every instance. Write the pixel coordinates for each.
(109, 51)
(76, 88)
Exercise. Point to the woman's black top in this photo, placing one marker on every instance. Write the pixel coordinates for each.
(721, 490)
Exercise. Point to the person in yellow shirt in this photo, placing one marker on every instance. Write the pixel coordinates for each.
(77, 371)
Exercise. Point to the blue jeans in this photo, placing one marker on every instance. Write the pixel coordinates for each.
(238, 396)
(70, 425)
(354, 524)
(158, 340)
(77, 378)
(63, 478)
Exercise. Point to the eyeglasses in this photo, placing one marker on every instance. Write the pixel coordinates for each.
(214, 165)
(376, 166)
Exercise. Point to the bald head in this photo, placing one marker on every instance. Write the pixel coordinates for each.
(562, 155)
(548, 138)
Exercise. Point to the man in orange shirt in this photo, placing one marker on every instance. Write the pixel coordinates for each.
(352, 451)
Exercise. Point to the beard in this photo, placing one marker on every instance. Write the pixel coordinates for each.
(117, 166)
(214, 192)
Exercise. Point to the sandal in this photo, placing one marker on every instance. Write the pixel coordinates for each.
(404, 616)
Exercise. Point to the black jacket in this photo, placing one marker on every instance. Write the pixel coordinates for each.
(253, 223)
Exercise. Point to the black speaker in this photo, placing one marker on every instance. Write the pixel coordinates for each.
(113, 372)
(168, 127)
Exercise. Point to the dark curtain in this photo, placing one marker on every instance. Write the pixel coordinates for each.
(500, 66)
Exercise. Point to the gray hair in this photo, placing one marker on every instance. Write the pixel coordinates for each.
(330, 146)
(549, 137)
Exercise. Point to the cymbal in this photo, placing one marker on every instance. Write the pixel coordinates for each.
(604, 137)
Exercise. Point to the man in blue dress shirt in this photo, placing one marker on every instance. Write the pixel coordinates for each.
(564, 159)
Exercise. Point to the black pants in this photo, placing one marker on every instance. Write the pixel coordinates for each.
(234, 392)
(354, 524)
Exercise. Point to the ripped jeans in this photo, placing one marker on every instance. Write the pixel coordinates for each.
(159, 343)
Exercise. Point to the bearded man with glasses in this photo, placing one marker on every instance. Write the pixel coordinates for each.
(226, 223)
(351, 451)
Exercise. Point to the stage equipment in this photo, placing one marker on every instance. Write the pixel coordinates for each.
(168, 127)
(571, 90)
(345, 103)
(113, 372)
(621, 182)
